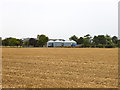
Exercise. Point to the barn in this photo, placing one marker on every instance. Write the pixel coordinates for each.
(59, 43)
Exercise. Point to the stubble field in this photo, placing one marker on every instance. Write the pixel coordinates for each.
(59, 68)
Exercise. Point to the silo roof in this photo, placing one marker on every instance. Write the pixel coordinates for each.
(58, 41)
(69, 41)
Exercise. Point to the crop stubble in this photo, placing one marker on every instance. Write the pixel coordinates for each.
(59, 68)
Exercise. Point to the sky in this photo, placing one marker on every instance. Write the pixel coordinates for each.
(58, 19)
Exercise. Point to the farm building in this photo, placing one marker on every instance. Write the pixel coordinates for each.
(58, 43)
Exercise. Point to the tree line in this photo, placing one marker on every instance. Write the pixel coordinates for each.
(39, 42)
(101, 41)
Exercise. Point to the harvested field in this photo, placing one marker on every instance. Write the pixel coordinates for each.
(59, 68)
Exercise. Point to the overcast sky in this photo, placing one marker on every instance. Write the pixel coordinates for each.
(58, 18)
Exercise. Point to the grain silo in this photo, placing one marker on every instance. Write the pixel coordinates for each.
(59, 43)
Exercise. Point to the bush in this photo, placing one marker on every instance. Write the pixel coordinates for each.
(85, 46)
(109, 46)
(99, 46)
(93, 46)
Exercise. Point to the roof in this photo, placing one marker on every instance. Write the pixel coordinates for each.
(68, 41)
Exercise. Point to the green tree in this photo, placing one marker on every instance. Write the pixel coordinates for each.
(102, 39)
(10, 42)
(114, 39)
(42, 40)
(13, 42)
(80, 40)
(75, 38)
(32, 42)
(95, 40)
(5, 42)
(86, 42)
(0, 41)
(108, 40)
(87, 39)
(26, 43)
(20, 42)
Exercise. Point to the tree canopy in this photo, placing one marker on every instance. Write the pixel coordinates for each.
(75, 38)
(42, 40)
(11, 42)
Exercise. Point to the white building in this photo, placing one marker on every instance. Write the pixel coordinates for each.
(59, 43)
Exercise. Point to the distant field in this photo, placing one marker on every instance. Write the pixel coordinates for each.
(60, 68)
